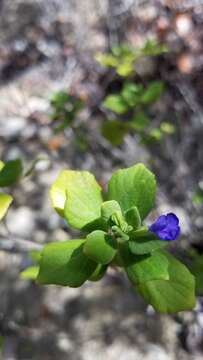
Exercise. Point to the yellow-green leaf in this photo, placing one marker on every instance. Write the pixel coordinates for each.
(1, 165)
(5, 201)
(116, 103)
(30, 273)
(76, 195)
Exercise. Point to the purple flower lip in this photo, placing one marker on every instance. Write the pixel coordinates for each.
(166, 227)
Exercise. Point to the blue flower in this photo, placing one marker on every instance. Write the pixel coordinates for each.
(166, 227)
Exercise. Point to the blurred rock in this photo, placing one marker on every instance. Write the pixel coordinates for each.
(185, 63)
(12, 127)
(183, 24)
(64, 343)
(145, 66)
(38, 104)
(199, 223)
(21, 221)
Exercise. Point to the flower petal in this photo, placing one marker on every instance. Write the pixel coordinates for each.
(172, 218)
(166, 227)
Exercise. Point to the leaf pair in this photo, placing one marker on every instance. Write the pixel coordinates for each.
(133, 95)
(123, 58)
(77, 196)
(130, 104)
(132, 101)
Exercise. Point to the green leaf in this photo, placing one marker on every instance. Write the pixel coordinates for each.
(121, 234)
(172, 295)
(141, 269)
(99, 247)
(142, 231)
(106, 60)
(117, 219)
(98, 273)
(126, 68)
(77, 196)
(116, 104)
(134, 186)
(197, 270)
(123, 51)
(1, 165)
(140, 122)
(132, 217)
(115, 131)
(125, 60)
(108, 208)
(58, 192)
(30, 273)
(153, 92)
(167, 128)
(152, 48)
(132, 93)
(161, 279)
(198, 197)
(5, 201)
(154, 136)
(145, 244)
(64, 263)
(98, 224)
(10, 172)
(35, 255)
(65, 109)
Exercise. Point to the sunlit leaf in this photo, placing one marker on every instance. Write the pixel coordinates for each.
(30, 273)
(116, 103)
(5, 201)
(132, 93)
(167, 128)
(77, 196)
(1, 165)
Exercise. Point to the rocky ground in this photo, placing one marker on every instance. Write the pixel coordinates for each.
(50, 45)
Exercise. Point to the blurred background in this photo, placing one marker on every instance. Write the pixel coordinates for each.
(98, 85)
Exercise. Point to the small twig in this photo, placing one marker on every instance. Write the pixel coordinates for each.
(31, 168)
(188, 95)
(11, 242)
